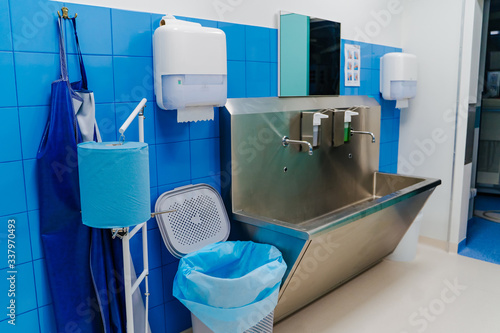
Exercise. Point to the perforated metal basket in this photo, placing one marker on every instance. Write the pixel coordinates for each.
(199, 219)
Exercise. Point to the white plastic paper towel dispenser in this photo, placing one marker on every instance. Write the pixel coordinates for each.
(398, 77)
(190, 68)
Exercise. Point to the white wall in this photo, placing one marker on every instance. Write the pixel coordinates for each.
(375, 21)
(435, 31)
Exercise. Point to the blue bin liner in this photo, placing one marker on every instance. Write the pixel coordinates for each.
(230, 286)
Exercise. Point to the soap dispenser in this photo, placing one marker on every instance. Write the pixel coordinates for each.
(347, 124)
(316, 124)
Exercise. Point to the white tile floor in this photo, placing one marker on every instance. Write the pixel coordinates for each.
(436, 293)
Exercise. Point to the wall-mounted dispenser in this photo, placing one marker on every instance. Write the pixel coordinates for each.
(398, 77)
(190, 68)
(347, 124)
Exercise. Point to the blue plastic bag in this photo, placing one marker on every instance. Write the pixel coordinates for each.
(230, 286)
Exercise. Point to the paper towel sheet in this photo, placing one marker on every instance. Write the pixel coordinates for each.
(195, 113)
(402, 103)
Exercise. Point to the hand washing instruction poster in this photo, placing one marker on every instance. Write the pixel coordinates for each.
(352, 65)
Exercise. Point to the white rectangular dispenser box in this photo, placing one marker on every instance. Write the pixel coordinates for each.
(398, 77)
(190, 69)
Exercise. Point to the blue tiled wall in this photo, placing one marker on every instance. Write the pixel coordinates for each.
(118, 56)
(370, 86)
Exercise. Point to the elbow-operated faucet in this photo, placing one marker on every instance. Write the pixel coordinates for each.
(286, 141)
(363, 132)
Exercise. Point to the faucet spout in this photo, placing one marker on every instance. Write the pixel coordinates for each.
(363, 132)
(286, 141)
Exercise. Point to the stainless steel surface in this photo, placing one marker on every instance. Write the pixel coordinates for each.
(287, 141)
(306, 127)
(364, 132)
(337, 117)
(328, 178)
(332, 215)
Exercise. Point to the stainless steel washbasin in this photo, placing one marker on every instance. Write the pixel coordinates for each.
(331, 214)
(388, 190)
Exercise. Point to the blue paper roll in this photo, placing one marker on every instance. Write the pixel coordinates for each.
(114, 183)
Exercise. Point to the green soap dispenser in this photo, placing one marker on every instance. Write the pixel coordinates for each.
(347, 124)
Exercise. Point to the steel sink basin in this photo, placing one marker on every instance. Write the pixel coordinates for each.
(332, 214)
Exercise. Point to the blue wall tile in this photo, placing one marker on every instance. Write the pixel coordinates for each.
(47, 319)
(274, 79)
(173, 162)
(36, 241)
(385, 154)
(106, 120)
(155, 287)
(9, 132)
(157, 320)
(213, 181)
(273, 38)
(5, 30)
(34, 25)
(35, 72)
(12, 196)
(25, 322)
(375, 84)
(366, 55)
(178, 317)
(205, 129)
(33, 121)
(386, 130)
(168, 129)
(257, 44)
(131, 33)
(168, 187)
(204, 23)
(258, 79)
(8, 95)
(169, 272)
(235, 40)
(154, 196)
(92, 21)
(99, 75)
(133, 77)
(42, 283)
(22, 250)
(31, 183)
(205, 158)
(123, 110)
(25, 289)
(236, 79)
(167, 257)
(377, 52)
(366, 81)
(153, 174)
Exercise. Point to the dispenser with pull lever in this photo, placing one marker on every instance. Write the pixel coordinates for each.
(310, 127)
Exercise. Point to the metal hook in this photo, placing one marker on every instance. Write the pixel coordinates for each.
(65, 11)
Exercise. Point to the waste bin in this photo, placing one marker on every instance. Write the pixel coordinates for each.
(228, 286)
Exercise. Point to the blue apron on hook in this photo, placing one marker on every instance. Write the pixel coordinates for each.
(65, 239)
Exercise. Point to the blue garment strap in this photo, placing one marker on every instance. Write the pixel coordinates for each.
(80, 57)
(62, 52)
